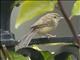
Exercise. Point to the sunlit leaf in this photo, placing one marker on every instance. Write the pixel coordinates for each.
(59, 43)
(47, 55)
(69, 57)
(36, 47)
(76, 8)
(17, 56)
(31, 9)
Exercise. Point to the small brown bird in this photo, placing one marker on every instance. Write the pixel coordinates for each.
(44, 25)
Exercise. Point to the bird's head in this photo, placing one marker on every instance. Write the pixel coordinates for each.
(55, 16)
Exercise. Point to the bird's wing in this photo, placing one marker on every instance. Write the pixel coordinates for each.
(37, 23)
(41, 21)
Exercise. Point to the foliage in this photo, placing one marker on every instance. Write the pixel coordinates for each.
(76, 8)
(31, 9)
(69, 57)
(36, 47)
(17, 56)
(47, 55)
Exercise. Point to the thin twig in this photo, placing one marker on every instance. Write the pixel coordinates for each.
(2, 57)
(77, 40)
(6, 52)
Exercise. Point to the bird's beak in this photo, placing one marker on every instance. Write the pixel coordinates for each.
(61, 17)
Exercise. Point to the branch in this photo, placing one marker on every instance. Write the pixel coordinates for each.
(2, 57)
(6, 52)
(77, 40)
(52, 40)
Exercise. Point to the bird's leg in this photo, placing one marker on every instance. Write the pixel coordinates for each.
(2, 57)
(50, 35)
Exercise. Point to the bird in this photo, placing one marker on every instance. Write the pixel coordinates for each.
(45, 24)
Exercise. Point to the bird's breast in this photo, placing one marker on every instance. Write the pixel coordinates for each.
(45, 30)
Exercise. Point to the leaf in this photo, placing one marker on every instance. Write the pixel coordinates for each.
(17, 56)
(47, 55)
(70, 57)
(36, 47)
(76, 8)
(31, 9)
(61, 43)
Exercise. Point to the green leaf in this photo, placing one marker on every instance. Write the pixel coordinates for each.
(69, 57)
(36, 47)
(17, 56)
(76, 8)
(47, 55)
(31, 9)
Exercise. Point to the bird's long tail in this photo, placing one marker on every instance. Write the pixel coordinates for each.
(26, 40)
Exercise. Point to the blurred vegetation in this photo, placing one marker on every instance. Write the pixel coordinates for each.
(29, 10)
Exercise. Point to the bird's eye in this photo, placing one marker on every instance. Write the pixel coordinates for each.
(55, 17)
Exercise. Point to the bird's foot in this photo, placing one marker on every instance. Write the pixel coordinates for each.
(50, 35)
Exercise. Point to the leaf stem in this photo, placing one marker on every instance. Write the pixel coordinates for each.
(2, 57)
(6, 52)
(77, 40)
